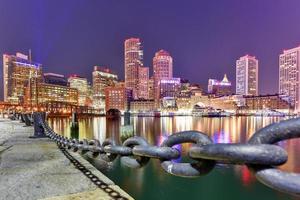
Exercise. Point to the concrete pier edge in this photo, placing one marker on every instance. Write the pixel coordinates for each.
(37, 169)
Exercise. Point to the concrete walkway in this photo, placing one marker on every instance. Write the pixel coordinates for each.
(37, 169)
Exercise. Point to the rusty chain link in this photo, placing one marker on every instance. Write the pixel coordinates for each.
(259, 154)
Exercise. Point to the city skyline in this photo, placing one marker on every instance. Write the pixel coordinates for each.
(198, 50)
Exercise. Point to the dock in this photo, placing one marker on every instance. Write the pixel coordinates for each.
(38, 169)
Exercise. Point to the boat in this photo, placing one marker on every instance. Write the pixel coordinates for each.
(210, 112)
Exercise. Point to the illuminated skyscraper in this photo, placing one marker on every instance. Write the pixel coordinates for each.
(289, 77)
(133, 55)
(17, 70)
(247, 75)
(162, 69)
(102, 78)
(81, 85)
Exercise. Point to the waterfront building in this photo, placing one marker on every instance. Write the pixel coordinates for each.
(198, 99)
(219, 88)
(169, 87)
(31, 92)
(247, 75)
(228, 103)
(168, 104)
(162, 69)
(289, 66)
(17, 70)
(143, 92)
(39, 93)
(56, 93)
(81, 84)
(118, 97)
(195, 89)
(56, 79)
(102, 78)
(133, 55)
(142, 106)
(266, 102)
(183, 103)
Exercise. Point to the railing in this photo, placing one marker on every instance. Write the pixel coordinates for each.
(260, 153)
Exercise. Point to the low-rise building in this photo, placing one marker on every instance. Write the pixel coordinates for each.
(183, 103)
(219, 88)
(169, 87)
(269, 102)
(118, 97)
(142, 105)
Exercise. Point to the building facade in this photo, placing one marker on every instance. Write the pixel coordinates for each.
(169, 87)
(102, 78)
(143, 92)
(162, 69)
(133, 55)
(17, 70)
(289, 66)
(56, 79)
(142, 105)
(266, 102)
(118, 97)
(219, 88)
(151, 88)
(56, 93)
(39, 93)
(247, 75)
(81, 84)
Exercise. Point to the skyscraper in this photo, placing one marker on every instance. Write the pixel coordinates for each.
(102, 78)
(162, 69)
(133, 55)
(247, 75)
(289, 77)
(81, 84)
(17, 70)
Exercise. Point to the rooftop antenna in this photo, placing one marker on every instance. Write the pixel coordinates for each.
(30, 55)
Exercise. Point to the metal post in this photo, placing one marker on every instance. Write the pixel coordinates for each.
(74, 125)
(39, 131)
(126, 118)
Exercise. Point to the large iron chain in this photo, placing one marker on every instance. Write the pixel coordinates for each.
(260, 154)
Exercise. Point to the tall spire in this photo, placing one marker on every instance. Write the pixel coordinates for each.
(225, 79)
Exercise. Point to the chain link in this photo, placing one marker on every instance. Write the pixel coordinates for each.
(259, 154)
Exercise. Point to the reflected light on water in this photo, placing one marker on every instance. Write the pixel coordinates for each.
(156, 130)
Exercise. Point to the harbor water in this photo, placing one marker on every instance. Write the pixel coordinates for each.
(152, 182)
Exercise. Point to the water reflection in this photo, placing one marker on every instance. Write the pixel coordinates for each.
(156, 130)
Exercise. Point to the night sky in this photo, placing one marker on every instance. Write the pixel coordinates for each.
(204, 37)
